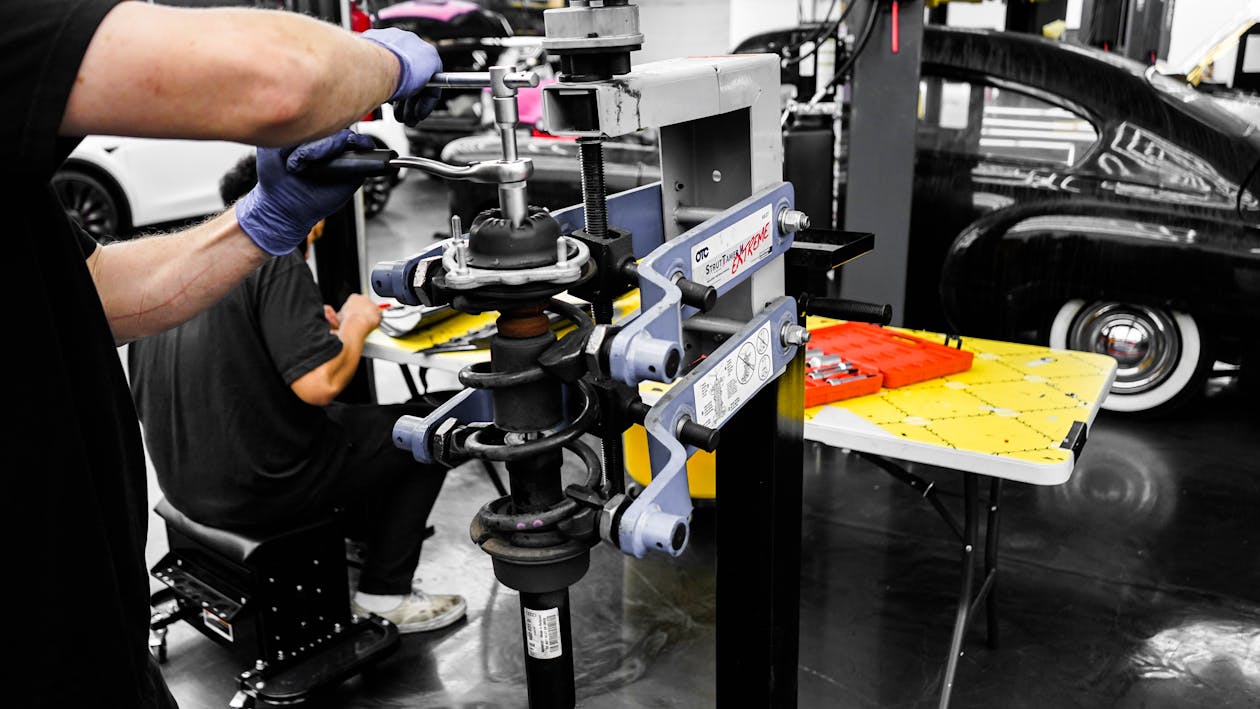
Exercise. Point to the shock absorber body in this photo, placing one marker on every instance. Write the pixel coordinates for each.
(533, 558)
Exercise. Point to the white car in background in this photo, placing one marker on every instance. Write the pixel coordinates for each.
(115, 186)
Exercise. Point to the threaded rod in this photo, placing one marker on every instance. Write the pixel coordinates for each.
(594, 191)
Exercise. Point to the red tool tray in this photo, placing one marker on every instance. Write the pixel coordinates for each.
(902, 359)
(836, 377)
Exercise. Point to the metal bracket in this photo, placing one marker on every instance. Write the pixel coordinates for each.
(720, 252)
(419, 435)
(709, 395)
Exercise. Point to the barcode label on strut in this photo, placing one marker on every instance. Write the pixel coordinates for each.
(542, 633)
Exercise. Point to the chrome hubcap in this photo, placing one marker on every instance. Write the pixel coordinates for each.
(1144, 342)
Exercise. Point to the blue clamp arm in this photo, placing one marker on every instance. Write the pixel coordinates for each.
(397, 279)
(709, 395)
(721, 252)
(421, 435)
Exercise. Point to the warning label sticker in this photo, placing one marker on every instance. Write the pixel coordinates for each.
(733, 250)
(218, 625)
(542, 633)
(734, 380)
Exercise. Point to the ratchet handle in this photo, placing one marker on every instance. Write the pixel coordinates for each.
(351, 164)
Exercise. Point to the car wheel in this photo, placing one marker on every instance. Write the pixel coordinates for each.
(88, 201)
(1161, 357)
(376, 191)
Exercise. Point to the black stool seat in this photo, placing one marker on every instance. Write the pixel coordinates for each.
(280, 601)
(235, 545)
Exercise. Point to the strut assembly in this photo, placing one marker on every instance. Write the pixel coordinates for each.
(705, 253)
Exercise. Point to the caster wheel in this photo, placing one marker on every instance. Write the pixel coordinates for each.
(159, 652)
(157, 645)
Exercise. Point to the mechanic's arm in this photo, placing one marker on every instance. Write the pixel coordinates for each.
(261, 77)
(152, 284)
(356, 320)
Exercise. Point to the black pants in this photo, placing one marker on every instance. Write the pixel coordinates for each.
(386, 494)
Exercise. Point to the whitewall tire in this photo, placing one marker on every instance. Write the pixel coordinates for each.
(1161, 356)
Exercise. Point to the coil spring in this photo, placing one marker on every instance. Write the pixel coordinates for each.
(480, 444)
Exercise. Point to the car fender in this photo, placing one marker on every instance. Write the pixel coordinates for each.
(1007, 272)
(164, 180)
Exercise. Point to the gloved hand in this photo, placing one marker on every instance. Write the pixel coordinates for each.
(283, 207)
(412, 100)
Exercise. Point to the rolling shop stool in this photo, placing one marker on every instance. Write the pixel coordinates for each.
(280, 602)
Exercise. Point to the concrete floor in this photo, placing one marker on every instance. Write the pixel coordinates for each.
(1136, 584)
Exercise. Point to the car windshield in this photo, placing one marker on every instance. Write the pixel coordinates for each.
(1198, 104)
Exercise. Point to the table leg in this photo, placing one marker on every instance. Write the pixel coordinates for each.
(970, 534)
(409, 381)
(991, 559)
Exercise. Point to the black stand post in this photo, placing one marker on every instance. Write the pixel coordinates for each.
(759, 475)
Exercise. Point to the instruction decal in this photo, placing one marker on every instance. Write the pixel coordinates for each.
(732, 251)
(542, 633)
(729, 385)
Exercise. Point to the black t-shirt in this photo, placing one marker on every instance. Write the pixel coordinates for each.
(231, 444)
(74, 466)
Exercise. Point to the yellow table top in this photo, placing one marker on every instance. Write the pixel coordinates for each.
(415, 348)
(1008, 415)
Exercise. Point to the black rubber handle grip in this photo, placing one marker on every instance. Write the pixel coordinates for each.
(352, 163)
(844, 309)
(702, 437)
(696, 295)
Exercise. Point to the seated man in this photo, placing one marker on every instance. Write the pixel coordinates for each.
(242, 427)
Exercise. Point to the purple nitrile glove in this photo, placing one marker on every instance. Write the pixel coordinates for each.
(412, 100)
(283, 207)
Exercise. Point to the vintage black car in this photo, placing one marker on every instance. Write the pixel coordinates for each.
(1062, 195)
(1076, 198)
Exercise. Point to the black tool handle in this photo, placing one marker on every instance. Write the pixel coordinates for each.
(350, 164)
(697, 295)
(845, 309)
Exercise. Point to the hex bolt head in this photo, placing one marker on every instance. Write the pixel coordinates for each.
(794, 335)
(792, 221)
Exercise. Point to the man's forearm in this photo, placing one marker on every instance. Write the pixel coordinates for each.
(353, 332)
(322, 385)
(253, 76)
(151, 284)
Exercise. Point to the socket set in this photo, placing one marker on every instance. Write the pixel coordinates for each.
(830, 376)
(854, 359)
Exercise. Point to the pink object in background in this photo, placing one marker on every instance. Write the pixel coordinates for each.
(440, 10)
(529, 103)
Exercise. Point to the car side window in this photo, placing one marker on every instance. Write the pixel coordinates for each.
(979, 120)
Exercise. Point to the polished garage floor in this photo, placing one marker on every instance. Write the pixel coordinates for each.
(1136, 584)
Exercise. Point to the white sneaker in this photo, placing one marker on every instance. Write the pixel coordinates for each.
(420, 611)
